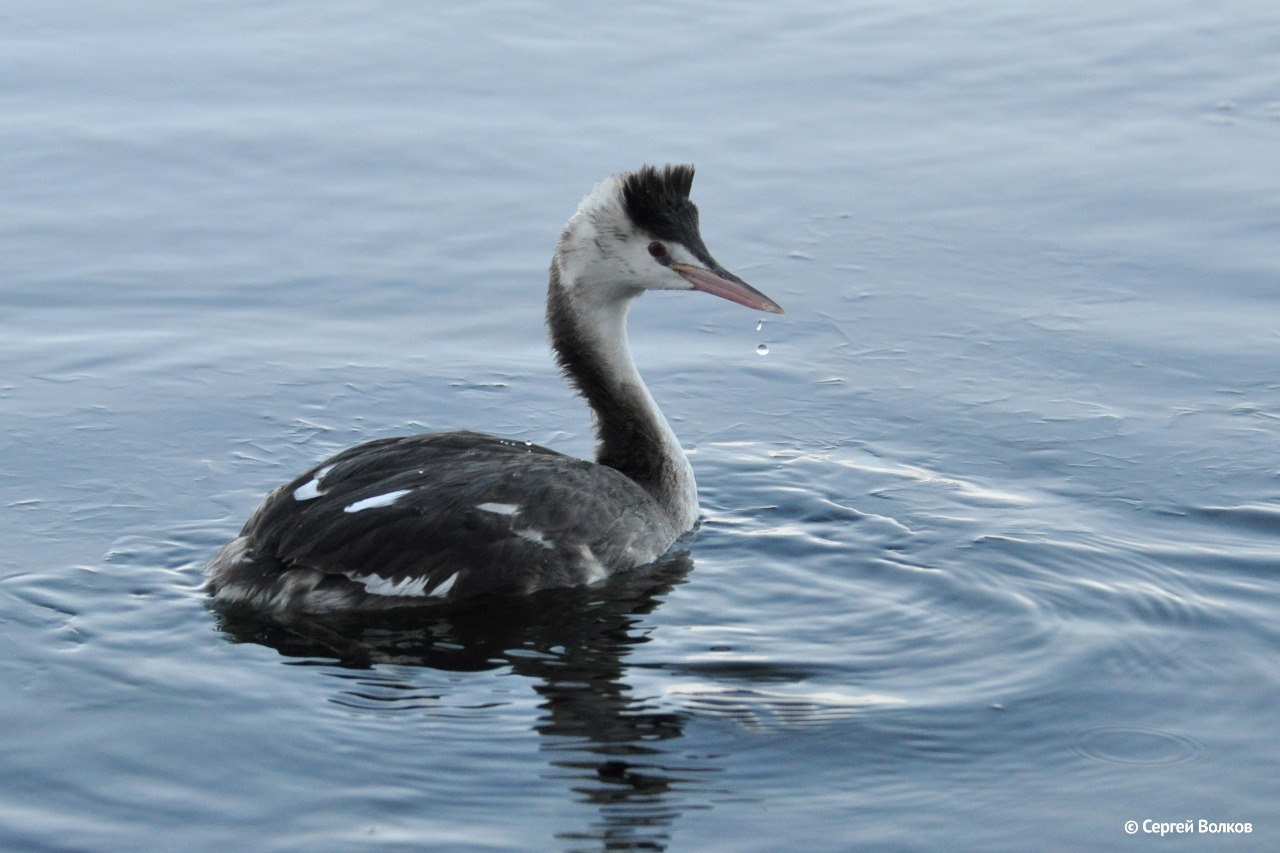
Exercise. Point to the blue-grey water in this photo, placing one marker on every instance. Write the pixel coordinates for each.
(991, 533)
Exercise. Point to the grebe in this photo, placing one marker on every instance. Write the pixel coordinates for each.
(404, 521)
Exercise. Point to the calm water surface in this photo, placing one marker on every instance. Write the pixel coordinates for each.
(992, 531)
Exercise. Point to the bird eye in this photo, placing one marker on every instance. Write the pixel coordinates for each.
(658, 250)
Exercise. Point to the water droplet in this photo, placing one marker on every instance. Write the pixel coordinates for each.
(760, 325)
(763, 349)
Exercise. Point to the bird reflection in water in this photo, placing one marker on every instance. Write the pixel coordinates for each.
(571, 643)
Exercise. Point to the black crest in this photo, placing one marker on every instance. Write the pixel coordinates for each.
(657, 200)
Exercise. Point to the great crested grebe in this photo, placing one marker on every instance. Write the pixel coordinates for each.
(403, 521)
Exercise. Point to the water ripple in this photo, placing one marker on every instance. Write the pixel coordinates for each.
(761, 710)
(1138, 745)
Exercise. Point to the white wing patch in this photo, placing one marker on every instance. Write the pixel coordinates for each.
(375, 585)
(405, 587)
(443, 590)
(594, 568)
(536, 537)
(500, 509)
(311, 489)
(376, 502)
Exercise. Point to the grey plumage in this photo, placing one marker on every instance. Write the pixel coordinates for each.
(574, 522)
(458, 515)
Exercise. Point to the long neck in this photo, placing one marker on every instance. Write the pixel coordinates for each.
(589, 335)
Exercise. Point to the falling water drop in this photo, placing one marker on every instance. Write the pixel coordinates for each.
(759, 325)
(763, 349)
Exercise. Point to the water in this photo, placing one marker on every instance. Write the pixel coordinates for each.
(991, 536)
